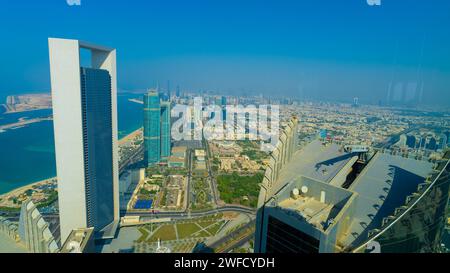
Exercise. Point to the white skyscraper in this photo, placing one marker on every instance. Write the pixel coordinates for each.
(85, 128)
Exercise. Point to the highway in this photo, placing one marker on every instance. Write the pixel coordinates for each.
(187, 214)
(131, 160)
(211, 178)
(189, 176)
(229, 238)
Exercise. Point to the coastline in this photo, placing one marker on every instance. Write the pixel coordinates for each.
(130, 136)
(22, 122)
(7, 111)
(22, 189)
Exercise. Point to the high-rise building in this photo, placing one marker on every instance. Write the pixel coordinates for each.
(411, 141)
(224, 108)
(178, 93)
(223, 101)
(165, 130)
(152, 128)
(403, 140)
(329, 199)
(168, 90)
(432, 144)
(443, 141)
(85, 128)
(34, 231)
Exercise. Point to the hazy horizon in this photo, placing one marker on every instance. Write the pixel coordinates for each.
(328, 50)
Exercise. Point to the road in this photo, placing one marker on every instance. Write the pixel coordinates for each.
(211, 178)
(189, 178)
(229, 237)
(131, 159)
(188, 214)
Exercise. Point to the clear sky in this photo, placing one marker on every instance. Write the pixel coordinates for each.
(325, 49)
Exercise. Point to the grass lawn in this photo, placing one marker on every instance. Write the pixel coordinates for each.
(184, 248)
(186, 229)
(165, 233)
(202, 234)
(144, 235)
(205, 224)
(214, 228)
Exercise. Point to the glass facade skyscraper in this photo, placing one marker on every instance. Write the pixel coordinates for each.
(156, 128)
(165, 129)
(97, 139)
(152, 128)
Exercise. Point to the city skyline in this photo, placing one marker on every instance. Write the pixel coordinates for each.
(361, 50)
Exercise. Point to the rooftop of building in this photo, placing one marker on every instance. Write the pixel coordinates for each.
(317, 161)
(313, 201)
(8, 245)
(77, 240)
(311, 209)
(179, 149)
(174, 159)
(384, 184)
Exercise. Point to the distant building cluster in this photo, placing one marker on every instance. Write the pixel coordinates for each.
(428, 140)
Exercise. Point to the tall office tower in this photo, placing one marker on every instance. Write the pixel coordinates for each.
(85, 127)
(411, 141)
(223, 104)
(223, 101)
(165, 129)
(178, 92)
(168, 90)
(432, 144)
(152, 128)
(402, 141)
(34, 231)
(336, 198)
(443, 142)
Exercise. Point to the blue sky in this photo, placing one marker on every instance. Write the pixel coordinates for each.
(312, 48)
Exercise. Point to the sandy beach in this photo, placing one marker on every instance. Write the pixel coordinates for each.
(21, 190)
(130, 136)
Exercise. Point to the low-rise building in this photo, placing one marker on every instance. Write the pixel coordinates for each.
(177, 162)
(179, 151)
